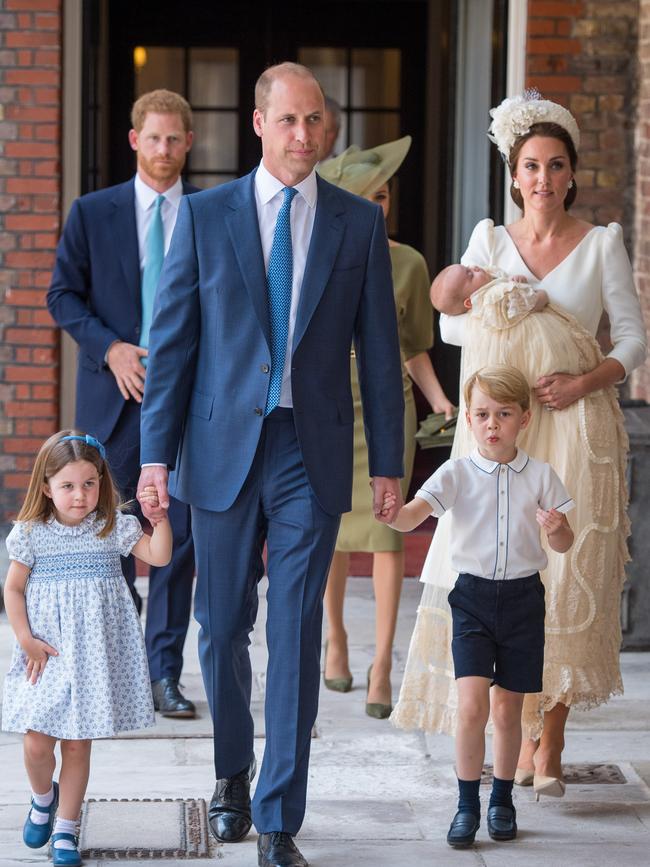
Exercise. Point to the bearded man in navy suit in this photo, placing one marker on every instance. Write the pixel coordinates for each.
(97, 295)
(251, 408)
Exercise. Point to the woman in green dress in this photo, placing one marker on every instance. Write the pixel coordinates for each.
(367, 174)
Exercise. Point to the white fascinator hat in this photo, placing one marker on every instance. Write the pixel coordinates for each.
(516, 115)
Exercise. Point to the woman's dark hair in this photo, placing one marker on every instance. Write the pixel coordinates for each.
(544, 130)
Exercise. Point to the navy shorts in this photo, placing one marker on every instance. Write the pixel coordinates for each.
(498, 630)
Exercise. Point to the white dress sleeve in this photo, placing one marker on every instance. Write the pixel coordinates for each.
(19, 545)
(621, 302)
(452, 328)
(127, 532)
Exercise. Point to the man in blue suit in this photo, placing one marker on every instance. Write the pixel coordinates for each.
(107, 265)
(268, 281)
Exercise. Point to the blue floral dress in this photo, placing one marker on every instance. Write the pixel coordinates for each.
(79, 603)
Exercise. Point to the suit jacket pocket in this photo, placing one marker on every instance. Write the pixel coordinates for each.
(201, 405)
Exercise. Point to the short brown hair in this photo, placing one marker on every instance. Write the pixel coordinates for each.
(500, 382)
(161, 102)
(53, 456)
(269, 76)
(544, 130)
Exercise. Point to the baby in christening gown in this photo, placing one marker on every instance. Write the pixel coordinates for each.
(509, 322)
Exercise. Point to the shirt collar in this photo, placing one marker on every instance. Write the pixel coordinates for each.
(517, 463)
(268, 186)
(146, 196)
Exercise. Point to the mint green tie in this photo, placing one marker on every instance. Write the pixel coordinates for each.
(153, 262)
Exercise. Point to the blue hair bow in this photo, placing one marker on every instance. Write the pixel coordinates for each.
(90, 441)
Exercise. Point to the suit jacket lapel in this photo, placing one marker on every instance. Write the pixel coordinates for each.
(244, 230)
(125, 233)
(326, 238)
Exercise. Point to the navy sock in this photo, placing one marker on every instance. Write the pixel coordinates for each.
(468, 799)
(501, 795)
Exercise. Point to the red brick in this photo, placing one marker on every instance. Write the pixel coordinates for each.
(31, 113)
(45, 204)
(41, 427)
(19, 481)
(29, 373)
(563, 47)
(33, 409)
(42, 317)
(23, 39)
(24, 58)
(43, 356)
(26, 131)
(544, 9)
(24, 462)
(23, 354)
(44, 96)
(22, 427)
(541, 26)
(25, 21)
(27, 185)
(33, 5)
(30, 336)
(45, 392)
(564, 27)
(556, 84)
(24, 317)
(47, 22)
(21, 445)
(25, 298)
(30, 149)
(26, 168)
(16, 259)
(23, 392)
(32, 76)
(30, 222)
(46, 168)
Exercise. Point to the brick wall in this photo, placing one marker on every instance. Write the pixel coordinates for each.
(582, 54)
(641, 377)
(30, 185)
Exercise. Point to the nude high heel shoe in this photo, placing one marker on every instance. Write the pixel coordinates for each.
(524, 777)
(554, 787)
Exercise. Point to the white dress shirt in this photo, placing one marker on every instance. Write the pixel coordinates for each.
(269, 198)
(494, 532)
(145, 199)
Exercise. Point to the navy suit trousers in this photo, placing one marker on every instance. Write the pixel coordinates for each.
(170, 587)
(276, 505)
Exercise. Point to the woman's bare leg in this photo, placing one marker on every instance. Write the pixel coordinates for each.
(548, 757)
(337, 664)
(387, 578)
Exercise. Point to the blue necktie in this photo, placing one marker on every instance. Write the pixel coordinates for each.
(154, 255)
(279, 281)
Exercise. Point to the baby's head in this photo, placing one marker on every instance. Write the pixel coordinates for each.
(453, 287)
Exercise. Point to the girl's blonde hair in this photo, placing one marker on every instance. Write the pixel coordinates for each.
(501, 382)
(53, 456)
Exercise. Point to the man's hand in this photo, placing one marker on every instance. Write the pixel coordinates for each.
(152, 493)
(124, 362)
(386, 508)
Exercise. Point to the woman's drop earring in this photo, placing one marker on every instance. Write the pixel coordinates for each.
(570, 184)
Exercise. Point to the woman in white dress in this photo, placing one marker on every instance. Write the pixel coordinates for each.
(585, 270)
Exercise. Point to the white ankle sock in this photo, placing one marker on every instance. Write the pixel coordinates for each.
(45, 800)
(65, 826)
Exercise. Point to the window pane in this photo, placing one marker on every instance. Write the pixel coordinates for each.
(204, 182)
(214, 77)
(376, 77)
(158, 67)
(330, 68)
(369, 130)
(215, 141)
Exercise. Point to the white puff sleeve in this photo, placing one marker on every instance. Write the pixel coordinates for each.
(127, 532)
(452, 328)
(621, 302)
(19, 544)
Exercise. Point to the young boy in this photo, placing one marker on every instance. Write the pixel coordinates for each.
(497, 496)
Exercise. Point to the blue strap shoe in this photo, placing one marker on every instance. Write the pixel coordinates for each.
(35, 836)
(65, 857)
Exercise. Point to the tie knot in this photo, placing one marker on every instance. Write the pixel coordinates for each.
(289, 193)
(158, 201)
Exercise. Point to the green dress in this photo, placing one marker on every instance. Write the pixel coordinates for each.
(359, 530)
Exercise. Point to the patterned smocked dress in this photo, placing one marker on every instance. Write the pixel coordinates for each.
(79, 603)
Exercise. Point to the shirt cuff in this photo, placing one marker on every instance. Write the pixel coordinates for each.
(565, 507)
(153, 464)
(437, 508)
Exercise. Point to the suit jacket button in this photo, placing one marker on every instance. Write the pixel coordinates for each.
(137, 330)
(264, 368)
(259, 410)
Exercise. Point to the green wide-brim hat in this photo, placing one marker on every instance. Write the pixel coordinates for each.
(364, 172)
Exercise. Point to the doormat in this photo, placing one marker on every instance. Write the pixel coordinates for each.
(584, 774)
(144, 829)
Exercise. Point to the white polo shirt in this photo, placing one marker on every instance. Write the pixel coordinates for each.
(494, 532)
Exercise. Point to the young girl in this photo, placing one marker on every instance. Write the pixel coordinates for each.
(79, 667)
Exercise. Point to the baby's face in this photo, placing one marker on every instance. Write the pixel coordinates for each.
(466, 280)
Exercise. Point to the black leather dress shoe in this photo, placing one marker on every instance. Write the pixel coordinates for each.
(229, 814)
(501, 822)
(169, 700)
(463, 829)
(277, 849)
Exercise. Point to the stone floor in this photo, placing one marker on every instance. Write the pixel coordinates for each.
(377, 796)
